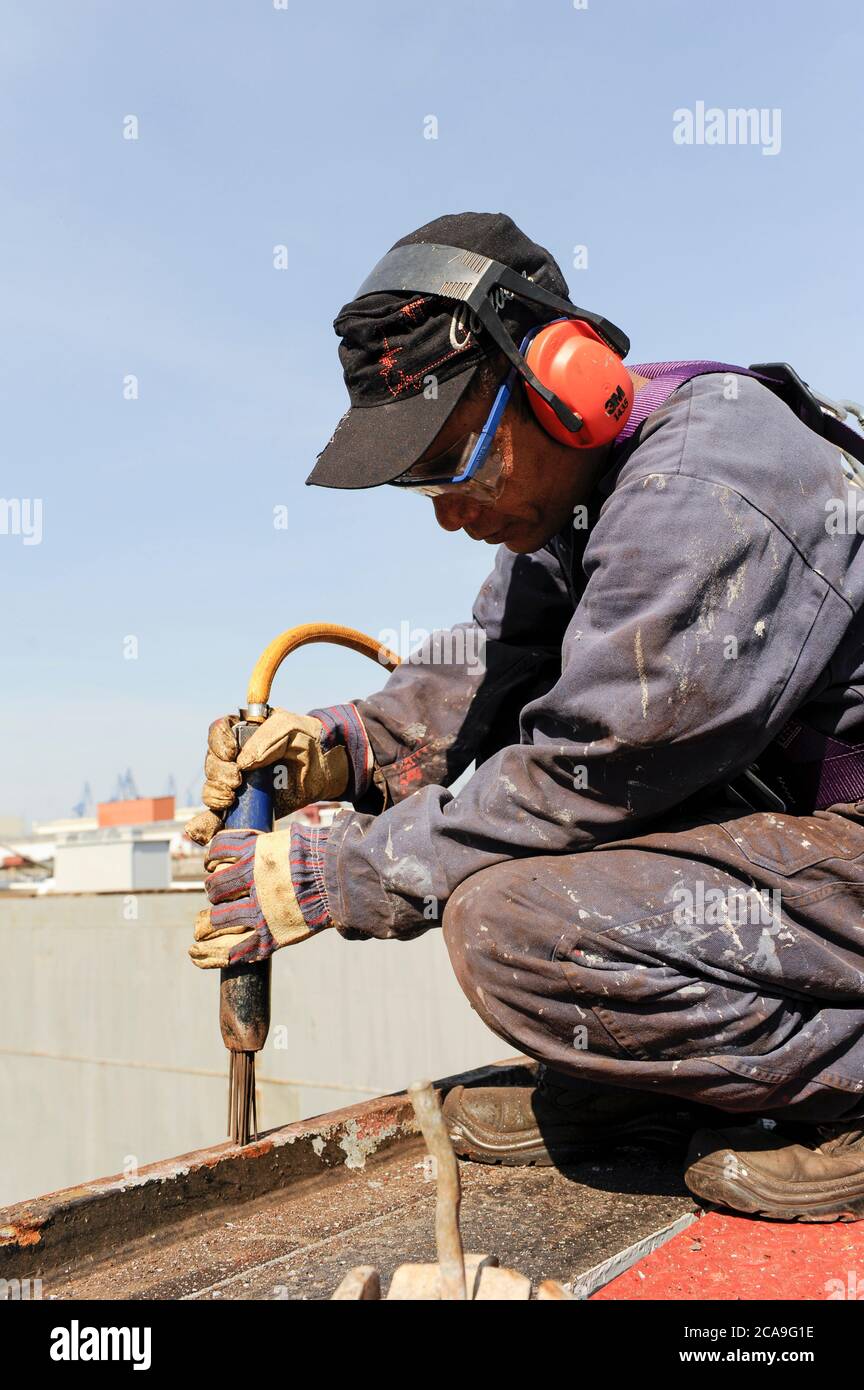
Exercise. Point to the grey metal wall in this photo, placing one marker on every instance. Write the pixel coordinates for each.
(110, 1053)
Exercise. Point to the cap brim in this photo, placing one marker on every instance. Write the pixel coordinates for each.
(375, 444)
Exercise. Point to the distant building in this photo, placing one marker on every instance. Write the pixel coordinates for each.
(124, 847)
(127, 846)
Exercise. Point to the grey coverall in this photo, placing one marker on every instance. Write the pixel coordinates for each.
(609, 905)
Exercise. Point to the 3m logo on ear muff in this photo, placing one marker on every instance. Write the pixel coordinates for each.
(572, 360)
(616, 404)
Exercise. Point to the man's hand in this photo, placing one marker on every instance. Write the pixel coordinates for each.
(307, 771)
(254, 907)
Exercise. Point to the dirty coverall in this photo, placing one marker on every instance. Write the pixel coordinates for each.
(610, 903)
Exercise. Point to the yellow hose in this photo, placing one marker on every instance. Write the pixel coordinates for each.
(273, 655)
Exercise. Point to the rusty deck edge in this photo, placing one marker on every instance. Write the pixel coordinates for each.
(94, 1219)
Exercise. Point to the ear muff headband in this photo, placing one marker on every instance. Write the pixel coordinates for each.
(467, 276)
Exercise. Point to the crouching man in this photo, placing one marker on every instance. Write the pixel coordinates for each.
(653, 882)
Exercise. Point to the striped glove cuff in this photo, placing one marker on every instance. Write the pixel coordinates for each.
(308, 843)
(343, 725)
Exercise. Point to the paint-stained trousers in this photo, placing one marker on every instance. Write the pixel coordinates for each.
(720, 959)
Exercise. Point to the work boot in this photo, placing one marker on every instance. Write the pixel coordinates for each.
(763, 1173)
(561, 1121)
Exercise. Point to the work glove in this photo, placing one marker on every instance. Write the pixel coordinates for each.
(254, 908)
(307, 770)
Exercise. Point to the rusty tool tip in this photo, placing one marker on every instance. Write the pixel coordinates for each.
(242, 1107)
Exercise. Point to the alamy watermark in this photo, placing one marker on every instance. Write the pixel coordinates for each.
(737, 125)
(22, 516)
(701, 906)
(851, 1288)
(845, 515)
(20, 1290)
(458, 646)
(77, 1343)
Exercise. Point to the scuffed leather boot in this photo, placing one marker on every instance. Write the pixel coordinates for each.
(556, 1122)
(761, 1172)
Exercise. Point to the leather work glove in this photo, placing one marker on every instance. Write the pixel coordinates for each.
(254, 908)
(308, 772)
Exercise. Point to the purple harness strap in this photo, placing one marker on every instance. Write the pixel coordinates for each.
(815, 770)
(666, 377)
(812, 770)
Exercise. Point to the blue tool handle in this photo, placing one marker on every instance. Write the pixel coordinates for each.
(253, 809)
(244, 1008)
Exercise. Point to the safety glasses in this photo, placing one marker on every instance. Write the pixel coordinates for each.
(470, 467)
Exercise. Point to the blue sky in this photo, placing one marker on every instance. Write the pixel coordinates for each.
(305, 127)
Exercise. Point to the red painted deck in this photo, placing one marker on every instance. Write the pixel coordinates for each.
(736, 1258)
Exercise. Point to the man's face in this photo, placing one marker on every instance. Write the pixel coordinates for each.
(544, 480)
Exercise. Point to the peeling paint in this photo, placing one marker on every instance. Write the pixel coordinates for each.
(358, 1147)
(20, 1235)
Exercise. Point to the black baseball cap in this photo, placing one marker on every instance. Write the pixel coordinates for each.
(409, 359)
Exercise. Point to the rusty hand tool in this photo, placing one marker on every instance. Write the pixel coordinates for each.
(244, 995)
(451, 1261)
(473, 1277)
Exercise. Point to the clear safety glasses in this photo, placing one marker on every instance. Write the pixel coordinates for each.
(466, 469)
(469, 468)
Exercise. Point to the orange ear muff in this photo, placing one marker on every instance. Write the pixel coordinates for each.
(574, 362)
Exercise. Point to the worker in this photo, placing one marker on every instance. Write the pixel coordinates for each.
(652, 882)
